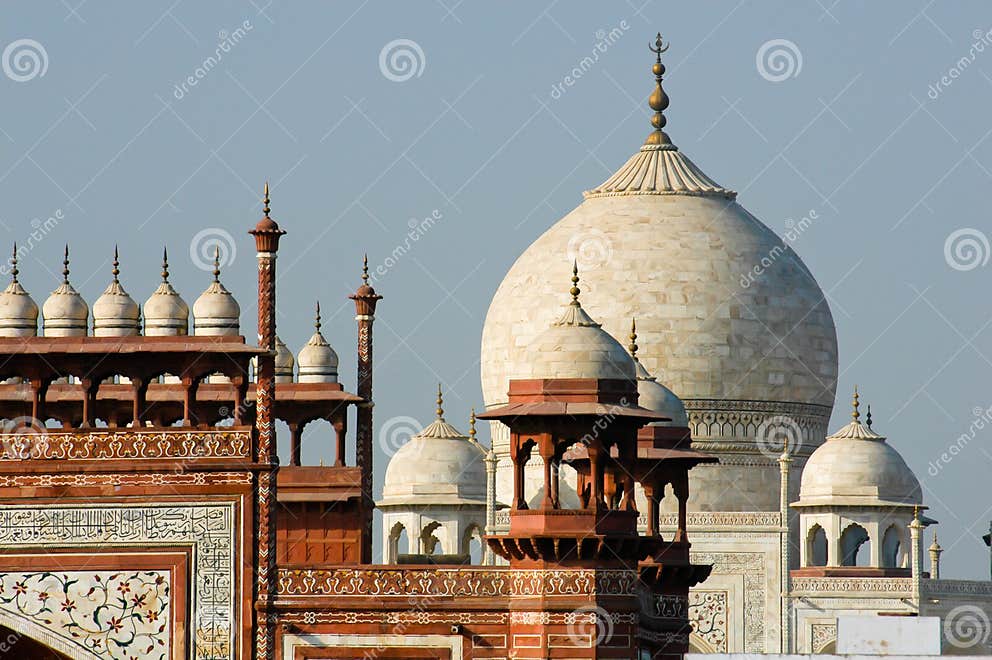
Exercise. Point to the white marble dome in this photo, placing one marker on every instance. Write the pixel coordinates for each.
(857, 467)
(115, 314)
(575, 346)
(18, 311)
(284, 362)
(216, 312)
(65, 312)
(317, 362)
(438, 466)
(166, 313)
(729, 315)
(656, 397)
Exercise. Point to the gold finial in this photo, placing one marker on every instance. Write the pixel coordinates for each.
(658, 101)
(855, 415)
(575, 290)
(13, 265)
(316, 322)
(116, 270)
(633, 338)
(868, 417)
(265, 200)
(440, 403)
(471, 425)
(365, 268)
(216, 263)
(165, 264)
(65, 265)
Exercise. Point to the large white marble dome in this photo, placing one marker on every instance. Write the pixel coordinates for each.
(662, 242)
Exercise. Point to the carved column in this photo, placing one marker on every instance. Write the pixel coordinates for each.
(295, 442)
(785, 465)
(365, 301)
(340, 424)
(491, 460)
(266, 234)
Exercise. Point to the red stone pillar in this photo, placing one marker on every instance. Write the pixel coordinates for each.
(266, 234)
(365, 301)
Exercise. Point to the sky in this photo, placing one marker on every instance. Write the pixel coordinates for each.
(123, 124)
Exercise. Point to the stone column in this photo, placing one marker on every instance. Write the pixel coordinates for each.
(267, 234)
(785, 465)
(491, 462)
(365, 301)
(916, 559)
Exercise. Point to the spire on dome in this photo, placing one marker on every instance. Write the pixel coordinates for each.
(440, 403)
(855, 428)
(265, 200)
(13, 265)
(18, 312)
(116, 270)
(216, 263)
(365, 268)
(658, 99)
(868, 417)
(575, 290)
(316, 319)
(471, 425)
(165, 265)
(65, 265)
(632, 347)
(855, 414)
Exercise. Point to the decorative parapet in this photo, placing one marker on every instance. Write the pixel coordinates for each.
(696, 521)
(100, 445)
(900, 587)
(732, 426)
(482, 582)
(956, 587)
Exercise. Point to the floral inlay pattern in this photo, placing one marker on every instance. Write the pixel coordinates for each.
(118, 615)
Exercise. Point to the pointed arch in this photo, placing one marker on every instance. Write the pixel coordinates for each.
(816, 546)
(891, 544)
(855, 546)
(51, 641)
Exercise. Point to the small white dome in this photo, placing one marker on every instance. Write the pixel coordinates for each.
(438, 466)
(317, 361)
(216, 312)
(18, 312)
(576, 347)
(284, 362)
(166, 313)
(65, 312)
(657, 398)
(115, 314)
(857, 467)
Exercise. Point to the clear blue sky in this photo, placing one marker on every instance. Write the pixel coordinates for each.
(861, 133)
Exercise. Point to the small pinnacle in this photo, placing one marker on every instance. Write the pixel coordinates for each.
(165, 264)
(440, 403)
(316, 322)
(868, 416)
(216, 263)
(265, 200)
(65, 265)
(365, 269)
(471, 425)
(633, 338)
(13, 265)
(575, 290)
(116, 271)
(658, 101)
(855, 415)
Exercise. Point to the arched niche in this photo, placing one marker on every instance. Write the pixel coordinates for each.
(816, 546)
(855, 546)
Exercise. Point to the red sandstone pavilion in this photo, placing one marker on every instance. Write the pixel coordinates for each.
(154, 521)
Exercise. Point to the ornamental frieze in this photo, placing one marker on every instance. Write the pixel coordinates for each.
(482, 582)
(125, 444)
(902, 586)
(80, 480)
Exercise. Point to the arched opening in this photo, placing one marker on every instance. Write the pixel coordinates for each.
(17, 645)
(855, 546)
(891, 542)
(399, 543)
(816, 546)
(473, 546)
(430, 544)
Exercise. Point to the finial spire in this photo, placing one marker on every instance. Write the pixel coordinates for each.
(216, 263)
(116, 270)
(868, 417)
(365, 268)
(575, 290)
(471, 425)
(13, 265)
(165, 264)
(855, 414)
(265, 200)
(658, 101)
(65, 265)
(632, 347)
(440, 403)
(316, 321)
